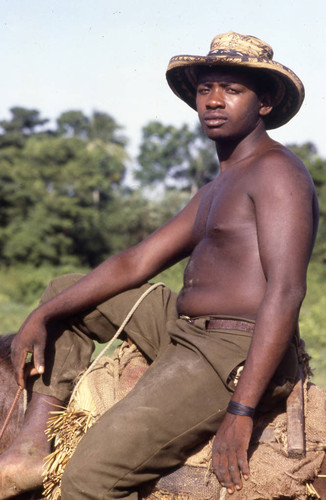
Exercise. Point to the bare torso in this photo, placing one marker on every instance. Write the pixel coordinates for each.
(224, 275)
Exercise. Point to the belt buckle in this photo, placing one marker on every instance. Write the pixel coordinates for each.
(186, 318)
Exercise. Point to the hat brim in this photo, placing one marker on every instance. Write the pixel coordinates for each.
(181, 78)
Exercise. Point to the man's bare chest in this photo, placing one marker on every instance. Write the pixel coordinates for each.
(226, 210)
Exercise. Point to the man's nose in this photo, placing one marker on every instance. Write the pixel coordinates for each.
(216, 99)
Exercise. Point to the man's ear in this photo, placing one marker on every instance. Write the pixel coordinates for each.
(266, 104)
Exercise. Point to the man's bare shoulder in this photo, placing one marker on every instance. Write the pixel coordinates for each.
(200, 195)
(204, 189)
(278, 166)
(280, 183)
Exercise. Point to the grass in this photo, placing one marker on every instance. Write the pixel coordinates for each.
(20, 290)
(21, 287)
(313, 321)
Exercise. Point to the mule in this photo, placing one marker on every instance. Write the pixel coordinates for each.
(8, 389)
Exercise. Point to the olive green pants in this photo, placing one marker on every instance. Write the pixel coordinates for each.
(177, 404)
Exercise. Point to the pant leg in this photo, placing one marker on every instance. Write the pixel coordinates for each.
(70, 343)
(177, 404)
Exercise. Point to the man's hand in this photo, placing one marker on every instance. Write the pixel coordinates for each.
(230, 451)
(31, 338)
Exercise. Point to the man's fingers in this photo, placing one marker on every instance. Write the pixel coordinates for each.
(243, 464)
(38, 359)
(227, 469)
(19, 370)
(22, 370)
(222, 472)
(235, 471)
(30, 370)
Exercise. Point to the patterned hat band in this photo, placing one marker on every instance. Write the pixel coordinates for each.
(236, 53)
(236, 50)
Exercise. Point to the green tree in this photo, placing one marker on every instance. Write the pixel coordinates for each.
(73, 123)
(23, 120)
(175, 157)
(103, 127)
(308, 153)
(53, 194)
(23, 123)
(132, 217)
(204, 165)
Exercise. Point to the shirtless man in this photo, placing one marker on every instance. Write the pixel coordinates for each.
(249, 235)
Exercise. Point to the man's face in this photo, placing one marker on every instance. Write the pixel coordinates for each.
(227, 104)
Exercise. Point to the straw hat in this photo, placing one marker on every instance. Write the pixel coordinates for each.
(233, 49)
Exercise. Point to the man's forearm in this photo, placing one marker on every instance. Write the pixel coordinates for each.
(113, 276)
(274, 328)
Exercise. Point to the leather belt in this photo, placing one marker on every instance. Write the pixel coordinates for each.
(224, 323)
(230, 324)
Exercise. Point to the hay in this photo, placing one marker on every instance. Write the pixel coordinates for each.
(67, 428)
(272, 473)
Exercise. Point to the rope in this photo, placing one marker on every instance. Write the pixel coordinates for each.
(116, 335)
(25, 400)
(13, 405)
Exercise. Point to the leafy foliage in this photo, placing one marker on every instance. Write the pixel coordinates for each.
(177, 157)
(54, 191)
(73, 123)
(313, 320)
(317, 167)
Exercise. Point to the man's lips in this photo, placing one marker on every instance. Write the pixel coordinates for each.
(214, 120)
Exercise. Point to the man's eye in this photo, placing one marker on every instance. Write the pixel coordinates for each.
(233, 90)
(203, 90)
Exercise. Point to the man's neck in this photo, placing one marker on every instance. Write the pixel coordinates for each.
(231, 151)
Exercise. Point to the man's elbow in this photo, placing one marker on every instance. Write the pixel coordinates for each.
(293, 294)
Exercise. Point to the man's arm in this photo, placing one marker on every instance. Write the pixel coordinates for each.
(169, 244)
(284, 201)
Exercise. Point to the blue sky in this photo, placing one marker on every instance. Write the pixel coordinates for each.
(111, 55)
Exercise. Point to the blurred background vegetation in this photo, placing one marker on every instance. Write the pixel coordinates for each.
(70, 196)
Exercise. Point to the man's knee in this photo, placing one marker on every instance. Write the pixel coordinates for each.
(71, 481)
(59, 284)
(88, 479)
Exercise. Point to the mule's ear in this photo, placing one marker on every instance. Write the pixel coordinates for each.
(5, 346)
